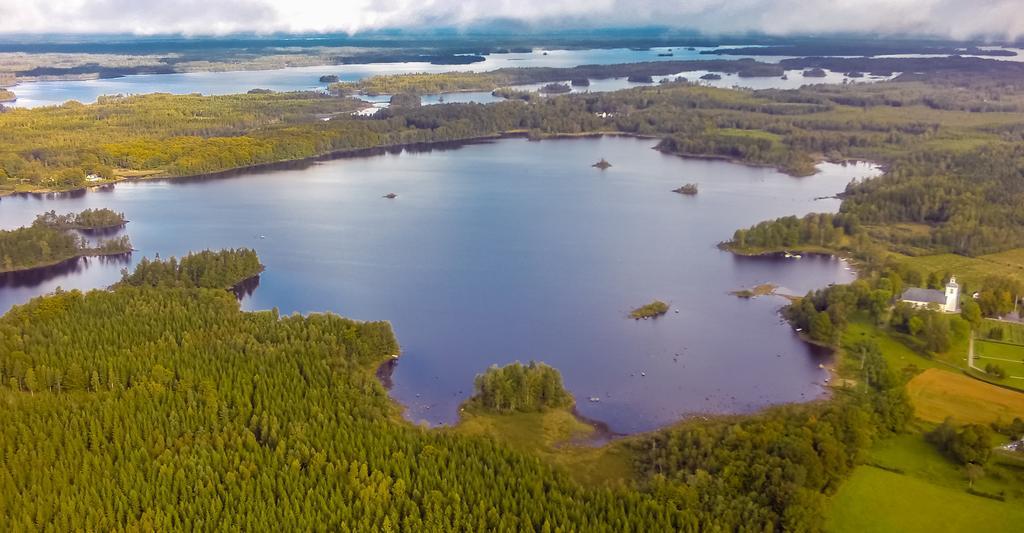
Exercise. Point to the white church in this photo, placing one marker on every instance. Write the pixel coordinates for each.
(947, 302)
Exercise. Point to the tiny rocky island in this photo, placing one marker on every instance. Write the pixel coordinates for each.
(390, 196)
(602, 164)
(690, 189)
(651, 310)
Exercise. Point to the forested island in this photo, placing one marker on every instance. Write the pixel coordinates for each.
(51, 240)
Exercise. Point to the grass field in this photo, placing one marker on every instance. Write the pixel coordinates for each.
(877, 500)
(1013, 333)
(937, 394)
(1009, 356)
(559, 438)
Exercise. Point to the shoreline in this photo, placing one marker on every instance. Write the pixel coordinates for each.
(63, 261)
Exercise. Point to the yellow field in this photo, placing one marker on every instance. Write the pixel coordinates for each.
(937, 394)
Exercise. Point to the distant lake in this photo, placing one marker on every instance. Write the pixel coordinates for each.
(503, 251)
(35, 94)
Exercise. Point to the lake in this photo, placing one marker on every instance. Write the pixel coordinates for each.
(502, 251)
(35, 94)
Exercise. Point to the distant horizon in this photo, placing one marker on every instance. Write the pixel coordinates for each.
(478, 31)
(954, 20)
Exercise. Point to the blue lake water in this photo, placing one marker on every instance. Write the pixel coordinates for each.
(503, 251)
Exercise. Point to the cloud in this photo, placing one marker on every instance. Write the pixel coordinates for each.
(948, 18)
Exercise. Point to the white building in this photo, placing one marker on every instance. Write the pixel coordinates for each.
(947, 301)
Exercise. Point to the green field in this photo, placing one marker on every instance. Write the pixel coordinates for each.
(929, 495)
(1009, 356)
(971, 271)
(878, 500)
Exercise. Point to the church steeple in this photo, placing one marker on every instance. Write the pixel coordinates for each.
(952, 295)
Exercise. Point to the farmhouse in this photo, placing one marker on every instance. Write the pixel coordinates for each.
(947, 301)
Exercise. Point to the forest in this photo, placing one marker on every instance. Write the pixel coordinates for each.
(184, 412)
(222, 269)
(51, 239)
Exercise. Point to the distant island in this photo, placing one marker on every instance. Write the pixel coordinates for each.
(690, 189)
(90, 219)
(814, 73)
(329, 78)
(640, 78)
(651, 310)
(711, 76)
(602, 164)
(580, 82)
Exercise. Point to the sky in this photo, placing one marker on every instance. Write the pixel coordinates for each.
(958, 19)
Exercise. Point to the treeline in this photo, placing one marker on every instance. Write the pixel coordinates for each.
(48, 241)
(773, 472)
(101, 218)
(518, 388)
(220, 269)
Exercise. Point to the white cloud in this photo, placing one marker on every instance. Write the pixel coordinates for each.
(951, 18)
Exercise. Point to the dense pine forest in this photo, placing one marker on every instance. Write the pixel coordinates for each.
(51, 239)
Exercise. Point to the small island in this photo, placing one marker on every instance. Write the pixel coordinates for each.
(390, 196)
(764, 289)
(519, 388)
(651, 310)
(329, 78)
(602, 164)
(690, 189)
(641, 78)
(814, 73)
(260, 91)
(711, 76)
(580, 82)
(556, 88)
